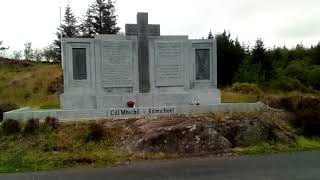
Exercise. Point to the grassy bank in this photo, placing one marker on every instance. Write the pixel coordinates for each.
(70, 145)
(26, 84)
(302, 144)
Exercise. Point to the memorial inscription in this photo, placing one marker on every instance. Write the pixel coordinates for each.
(117, 64)
(169, 66)
(141, 111)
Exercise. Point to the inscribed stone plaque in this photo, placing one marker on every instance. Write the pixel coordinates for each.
(202, 64)
(168, 63)
(117, 64)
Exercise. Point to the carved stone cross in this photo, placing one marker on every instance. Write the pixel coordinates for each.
(142, 29)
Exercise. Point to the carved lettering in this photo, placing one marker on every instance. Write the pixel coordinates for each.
(117, 64)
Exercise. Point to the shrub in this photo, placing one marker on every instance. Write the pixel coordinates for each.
(95, 132)
(10, 126)
(314, 77)
(285, 83)
(32, 126)
(298, 70)
(7, 106)
(306, 111)
(51, 122)
(245, 88)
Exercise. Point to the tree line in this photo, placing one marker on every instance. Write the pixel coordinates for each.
(277, 68)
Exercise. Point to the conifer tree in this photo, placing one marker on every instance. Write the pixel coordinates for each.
(86, 27)
(100, 19)
(69, 29)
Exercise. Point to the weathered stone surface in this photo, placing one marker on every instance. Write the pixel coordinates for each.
(178, 134)
(264, 127)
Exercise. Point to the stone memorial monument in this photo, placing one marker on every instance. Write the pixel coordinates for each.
(154, 70)
(160, 74)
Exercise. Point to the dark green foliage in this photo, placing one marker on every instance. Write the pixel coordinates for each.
(69, 29)
(95, 132)
(100, 19)
(32, 126)
(314, 77)
(316, 54)
(230, 56)
(248, 72)
(5, 107)
(10, 126)
(86, 28)
(285, 83)
(51, 123)
(261, 57)
(297, 70)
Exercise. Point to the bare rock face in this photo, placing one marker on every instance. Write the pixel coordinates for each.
(202, 134)
(253, 131)
(181, 135)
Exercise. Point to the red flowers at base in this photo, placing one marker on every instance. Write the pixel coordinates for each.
(131, 103)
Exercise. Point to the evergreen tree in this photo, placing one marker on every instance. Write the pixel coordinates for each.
(316, 54)
(86, 27)
(261, 57)
(69, 29)
(210, 36)
(100, 19)
(230, 56)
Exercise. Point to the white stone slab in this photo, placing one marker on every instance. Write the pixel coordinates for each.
(169, 67)
(117, 64)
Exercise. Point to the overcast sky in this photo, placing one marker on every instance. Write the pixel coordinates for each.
(277, 22)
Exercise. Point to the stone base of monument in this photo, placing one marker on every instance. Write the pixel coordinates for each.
(110, 113)
(170, 98)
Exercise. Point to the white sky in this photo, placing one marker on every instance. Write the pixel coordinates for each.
(277, 22)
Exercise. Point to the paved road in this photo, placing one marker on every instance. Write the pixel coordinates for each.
(282, 166)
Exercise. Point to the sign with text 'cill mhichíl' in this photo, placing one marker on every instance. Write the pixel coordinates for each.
(141, 111)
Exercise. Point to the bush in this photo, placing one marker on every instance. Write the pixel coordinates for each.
(95, 132)
(10, 126)
(285, 83)
(297, 70)
(306, 111)
(314, 77)
(245, 88)
(51, 122)
(32, 126)
(5, 107)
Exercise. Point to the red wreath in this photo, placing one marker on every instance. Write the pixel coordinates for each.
(131, 103)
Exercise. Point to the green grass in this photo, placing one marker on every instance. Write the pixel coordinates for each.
(302, 144)
(65, 147)
(27, 86)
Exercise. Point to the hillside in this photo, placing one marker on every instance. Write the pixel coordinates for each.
(29, 84)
